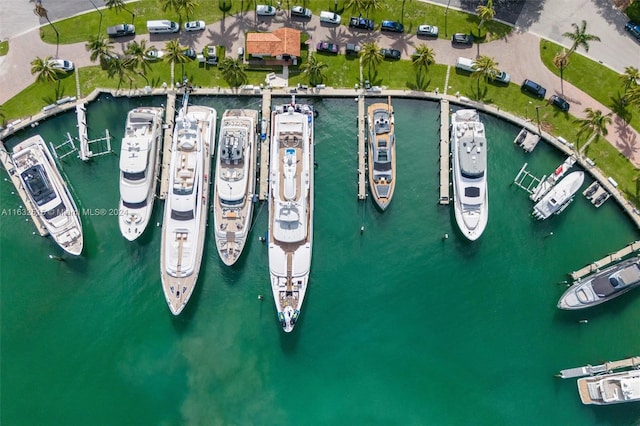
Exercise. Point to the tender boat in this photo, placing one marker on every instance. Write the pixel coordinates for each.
(603, 285)
(234, 182)
(48, 193)
(612, 388)
(290, 233)
(558, 197)
(139, 158)
(382, 153)
(186, 205)
(470, 193)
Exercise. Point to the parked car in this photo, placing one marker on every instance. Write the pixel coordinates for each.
(121, 30)
(392, 26)
(633, 28)
(264, 10)
(61, 64)
(390, 53)
(324, 46)
(462, 39)
(352, 49)
(534, 89)
(154, 54)
(428, 30)
(194, 26)
(190, 53)
(503, 77)
(559, 102)
(301, 12)
(210, 55)
(330, 17)
(361, 23)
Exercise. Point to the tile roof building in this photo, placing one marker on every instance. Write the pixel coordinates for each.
(281, 43)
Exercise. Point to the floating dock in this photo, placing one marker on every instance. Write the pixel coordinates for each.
(444, 152)
(362, 149)
(607, 367)
(83, 138)
(527, 140)
(169, 120)
(605, 261)
(596, 194)
(263, 145)
(536, 186)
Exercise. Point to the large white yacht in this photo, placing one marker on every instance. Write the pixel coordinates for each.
(612, 388)
(290, 208)
(234, 182)
(558, 197)
(186, 205)
(469, 150)
(50, 198)
(382, 153)
(139, 158)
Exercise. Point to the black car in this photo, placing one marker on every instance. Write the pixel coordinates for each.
(390, 53)
(461, 38)
(392, 26)
(533, 88)
(559, 102)
(121, 30)
(633, 28)
(361, 23)
(352, 49)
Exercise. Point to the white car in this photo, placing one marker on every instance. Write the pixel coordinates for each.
(264, 10)
(155, 54)
(61, 64)
(428, 30)
(194, 26)
(301, 12)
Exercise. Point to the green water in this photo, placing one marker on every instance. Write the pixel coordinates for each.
(398, 326)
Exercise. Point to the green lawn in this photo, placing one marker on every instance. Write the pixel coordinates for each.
(4, 47)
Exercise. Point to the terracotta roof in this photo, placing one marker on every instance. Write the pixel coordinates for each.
(283, 41)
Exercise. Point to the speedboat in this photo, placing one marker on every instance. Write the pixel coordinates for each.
(382, 153)
(558, 197)
(612, 388)
(469, 150)
(234, 182)
(48, 193)
(603, 285)
(290, 233)
(139, 158)
(186, 205)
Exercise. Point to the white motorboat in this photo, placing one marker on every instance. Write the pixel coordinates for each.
(558, 197)
(470, 192)
(234, 182)
(602, 285)
(139, 159)
(382, 153)
(48, 193)
(290, 234)
(612, 388)
(186, 205)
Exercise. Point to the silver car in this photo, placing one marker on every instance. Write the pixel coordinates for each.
(264, 10)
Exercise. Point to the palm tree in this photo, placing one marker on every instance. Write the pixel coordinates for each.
(402, 16)
(594, 125)
(175, 5)
(423, 57)
(372, 5)
(632, 96)
(485, 68)
(117, 66)
(233, 71)
(630, 78)
(138, 58)
(313, 70)
(41, 12)
(189, 7)
(561, 60)
(45, 71)
(356, 5)
(174, 52)
(485, 13)
(119, 5)
(580, 37)
(101, 49)
(371, 57)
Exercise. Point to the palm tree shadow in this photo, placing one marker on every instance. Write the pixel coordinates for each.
(375, 79)
(478, 93)
(421, 82)
(619, 107)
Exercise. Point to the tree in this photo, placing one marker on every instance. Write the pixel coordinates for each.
(423, 57)
(101, 49)
(580, 37)
(630, 78)
(313, 70)
(632, 96)
(233, 71)
(357, 5)
(561, 60)
(41, 12)
(485, 13)
(119, 5)
(371, 57)
(593, 125)
(116, 66)
(189, 7)
(174, 53)
(372, 5)
(138, 58)
(402, 16)
(44, 70)
(485, 68)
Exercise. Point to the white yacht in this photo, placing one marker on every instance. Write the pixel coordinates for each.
(47, 191)
(290, 208)
(186, 205)
(612, 388)
(139, 159)
(602, 285)
(382, 153)
(469, 151)
(558, 197)
(234, 182)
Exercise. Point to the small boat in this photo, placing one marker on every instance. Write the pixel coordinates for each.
(601, 286)
(290, 235)
(382, 153)
(558, 197)
(470, 192)
(139, 158)
(48, 193)
(612, 388)
(234, 182)
(186, 205)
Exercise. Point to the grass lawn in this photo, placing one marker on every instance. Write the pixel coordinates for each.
(4, 47)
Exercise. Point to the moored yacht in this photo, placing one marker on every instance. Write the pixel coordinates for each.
(470, 193)
(602, 285)
(186, 205)
(382, 152)
(290, 234)
(48, 193)
(234, 182)
(139, 158)
(558, 197)
(612, 388)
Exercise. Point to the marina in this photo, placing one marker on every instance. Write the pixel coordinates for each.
(445, 153)
(607, 367)
(605, 261)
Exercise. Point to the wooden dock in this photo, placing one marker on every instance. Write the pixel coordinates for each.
(444, 151)
(265, 137)
(527, 140)
(362, 149)
(605, 261)
(169, 121)
(607, 367)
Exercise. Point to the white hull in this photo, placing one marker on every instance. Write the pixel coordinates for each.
(613, 388)
(139, 159)
(558, 197)
(186, 205)
(470, 192)
(382, 153)
(48, 193)
(290, 209)
(234, 182)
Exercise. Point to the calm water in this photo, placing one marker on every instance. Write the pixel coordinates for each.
(398, 326)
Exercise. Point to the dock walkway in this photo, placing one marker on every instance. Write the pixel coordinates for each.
(589, 370)
(265, 137)
(605, 261)
(444, 151)
(362, 150)
(170, 116)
